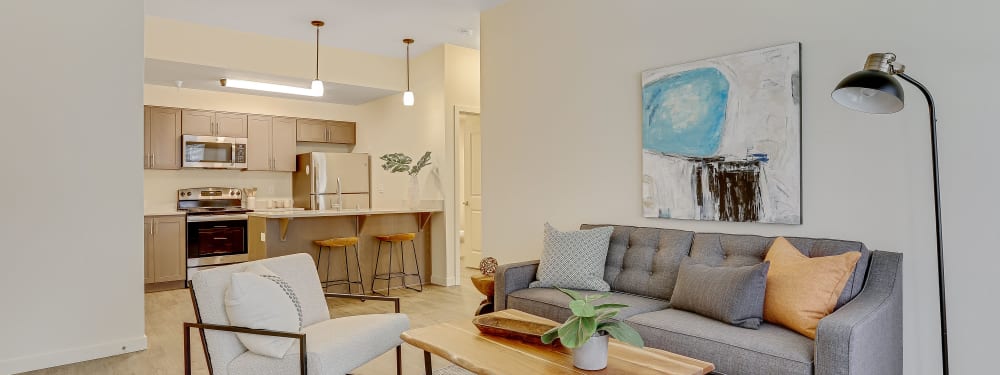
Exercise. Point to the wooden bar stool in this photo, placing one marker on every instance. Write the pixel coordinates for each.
(344, 242)
(388, 275)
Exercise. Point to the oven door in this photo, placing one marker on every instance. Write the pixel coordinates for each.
(216, 242)
(214, 152)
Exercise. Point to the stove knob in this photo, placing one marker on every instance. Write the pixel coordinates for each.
(237, 192)
(188, 193)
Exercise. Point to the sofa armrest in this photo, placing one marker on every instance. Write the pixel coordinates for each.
(865, 336)
(510, 278)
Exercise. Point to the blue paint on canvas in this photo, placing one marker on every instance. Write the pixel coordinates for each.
(684, 113)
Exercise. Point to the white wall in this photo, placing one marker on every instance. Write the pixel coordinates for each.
(561, 132)
(71, 269)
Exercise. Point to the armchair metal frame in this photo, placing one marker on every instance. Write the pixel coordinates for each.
(201, 327)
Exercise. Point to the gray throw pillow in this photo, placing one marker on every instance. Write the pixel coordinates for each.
(574, 260)
(733, 295)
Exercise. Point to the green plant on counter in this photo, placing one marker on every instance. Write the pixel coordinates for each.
(399, 162)
(588, 320)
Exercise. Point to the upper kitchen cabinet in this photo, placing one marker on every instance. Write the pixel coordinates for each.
(271, 143)
(326, 131)
(217, 124)
(162, 138)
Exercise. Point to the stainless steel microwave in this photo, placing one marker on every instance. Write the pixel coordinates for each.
(214, 152)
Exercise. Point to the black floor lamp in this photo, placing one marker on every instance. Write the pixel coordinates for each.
(874, 90)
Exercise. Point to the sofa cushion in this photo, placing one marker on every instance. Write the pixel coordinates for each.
(769, 350)
(335, 346)
(802, 290)
(573, 260)
(553, 304)
(644, 261)
(732, 295)
(743, 250)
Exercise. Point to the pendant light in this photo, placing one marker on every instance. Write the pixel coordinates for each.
(315, 89)
(408, 95)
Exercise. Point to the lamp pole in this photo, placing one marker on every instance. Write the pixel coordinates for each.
(937, 212)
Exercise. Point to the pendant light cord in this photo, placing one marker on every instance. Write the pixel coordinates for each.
(407, 66)
(317, 53)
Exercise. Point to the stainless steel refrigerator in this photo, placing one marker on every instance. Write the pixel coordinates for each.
(315, 181)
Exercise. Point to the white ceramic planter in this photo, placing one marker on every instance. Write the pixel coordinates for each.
(413, 193)
(593, 355)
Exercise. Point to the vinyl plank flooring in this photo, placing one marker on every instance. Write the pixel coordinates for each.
(166, 311)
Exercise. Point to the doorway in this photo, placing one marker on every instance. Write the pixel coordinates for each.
(470, 190)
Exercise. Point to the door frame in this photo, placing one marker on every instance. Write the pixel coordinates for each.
(456, 253)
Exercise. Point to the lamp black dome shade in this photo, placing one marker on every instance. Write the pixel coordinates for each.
(870, 91)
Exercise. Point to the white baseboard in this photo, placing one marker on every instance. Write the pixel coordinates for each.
(74, 355)
(444, 281)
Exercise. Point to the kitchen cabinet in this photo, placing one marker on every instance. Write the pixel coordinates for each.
(216, 124)
(166, 258)
(326, 131)
(271, 143)
(162, 138)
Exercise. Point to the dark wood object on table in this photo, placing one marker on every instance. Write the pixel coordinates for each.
(484, 283)
(500, 324)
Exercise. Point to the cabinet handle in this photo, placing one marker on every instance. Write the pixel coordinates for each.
(152, 159)
(219, 238)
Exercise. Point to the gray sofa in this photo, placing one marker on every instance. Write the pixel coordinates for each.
(863, 336)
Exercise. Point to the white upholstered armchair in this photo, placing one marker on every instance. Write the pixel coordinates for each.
(325, 345)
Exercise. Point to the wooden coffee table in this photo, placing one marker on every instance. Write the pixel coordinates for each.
(462, 344)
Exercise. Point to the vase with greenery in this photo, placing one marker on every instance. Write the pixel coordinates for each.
(587, 331)
(400, 163)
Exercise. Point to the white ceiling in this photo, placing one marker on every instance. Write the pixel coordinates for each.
(202, 77)
(374, 26)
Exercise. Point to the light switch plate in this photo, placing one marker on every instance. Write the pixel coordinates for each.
(262, 238)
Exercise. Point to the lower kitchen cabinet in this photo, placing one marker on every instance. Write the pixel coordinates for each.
(166, 259)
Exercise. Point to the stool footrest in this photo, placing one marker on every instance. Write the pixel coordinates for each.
(387, 276)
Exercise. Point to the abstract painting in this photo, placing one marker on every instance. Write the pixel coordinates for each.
(721, 138)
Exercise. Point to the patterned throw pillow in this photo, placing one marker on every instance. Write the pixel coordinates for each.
(257, 298)
(574, 260)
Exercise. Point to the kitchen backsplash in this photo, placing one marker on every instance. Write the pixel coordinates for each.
(160, 186)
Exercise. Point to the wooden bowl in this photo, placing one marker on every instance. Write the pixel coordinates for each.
(529, 332)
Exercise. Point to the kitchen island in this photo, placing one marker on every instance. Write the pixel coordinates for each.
(277, 233)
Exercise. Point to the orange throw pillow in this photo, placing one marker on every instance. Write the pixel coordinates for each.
(802, 290)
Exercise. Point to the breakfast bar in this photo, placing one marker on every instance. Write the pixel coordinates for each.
(277, 233)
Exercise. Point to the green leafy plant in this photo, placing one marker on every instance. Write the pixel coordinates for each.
(399, 162)
(588, 319)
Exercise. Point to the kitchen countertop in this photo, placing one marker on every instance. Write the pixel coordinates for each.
(166, 212)
(348, 212)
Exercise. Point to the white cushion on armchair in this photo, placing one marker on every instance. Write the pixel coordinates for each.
(259, 299)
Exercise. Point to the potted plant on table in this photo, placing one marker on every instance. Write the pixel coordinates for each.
(587, 331)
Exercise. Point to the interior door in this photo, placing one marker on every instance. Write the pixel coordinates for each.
(231, 125)
(198, 122)
(472, 202)
(259, 143)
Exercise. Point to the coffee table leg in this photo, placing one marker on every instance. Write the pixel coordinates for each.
(427, 362)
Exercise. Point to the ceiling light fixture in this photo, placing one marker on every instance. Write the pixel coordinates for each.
(408, 95)
(315, 89)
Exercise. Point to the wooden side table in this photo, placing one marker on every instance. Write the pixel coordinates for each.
(484, 283)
